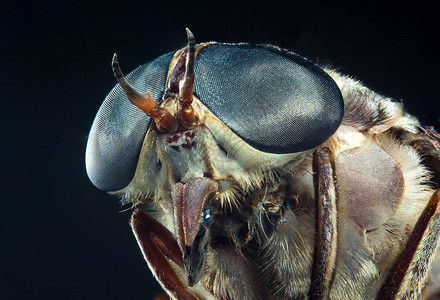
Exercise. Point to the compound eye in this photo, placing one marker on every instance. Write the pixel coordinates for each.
(119, 128)
(275, 100)
(207, 218)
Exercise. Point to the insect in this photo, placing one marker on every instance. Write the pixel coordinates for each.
(256, 174)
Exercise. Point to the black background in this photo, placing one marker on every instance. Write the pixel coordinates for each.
(60, 236)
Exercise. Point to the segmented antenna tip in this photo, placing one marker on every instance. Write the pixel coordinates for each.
(190, 35)
(116, 68)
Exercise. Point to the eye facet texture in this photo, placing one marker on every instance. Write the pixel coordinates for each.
(275, 100)
(119, 128)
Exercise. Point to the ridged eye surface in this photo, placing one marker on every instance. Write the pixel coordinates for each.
(119, 128)
(277, 101)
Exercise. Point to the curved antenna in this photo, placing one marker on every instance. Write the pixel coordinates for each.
(186, 85)
(164, 120)
(187, 116)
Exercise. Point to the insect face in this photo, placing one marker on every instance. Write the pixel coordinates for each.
(266, 176)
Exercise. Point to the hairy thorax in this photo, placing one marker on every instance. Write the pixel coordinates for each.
(380, 193)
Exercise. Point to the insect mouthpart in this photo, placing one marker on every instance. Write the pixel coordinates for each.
(190, 222)
(195, 256)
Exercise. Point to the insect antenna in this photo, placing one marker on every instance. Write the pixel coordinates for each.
(187, 115)
(164, 120)
(187, 84)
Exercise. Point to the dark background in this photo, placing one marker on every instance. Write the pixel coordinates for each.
(63, 238)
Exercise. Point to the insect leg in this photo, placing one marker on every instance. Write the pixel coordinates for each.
(157, 243)
(408, 275)
(326, 248)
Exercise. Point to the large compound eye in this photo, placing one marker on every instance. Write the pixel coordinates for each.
(276, 101)
(119, 128)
